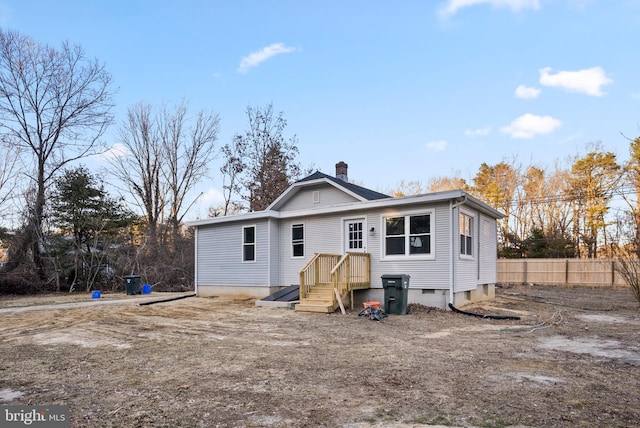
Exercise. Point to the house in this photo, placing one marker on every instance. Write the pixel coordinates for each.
(324, 233)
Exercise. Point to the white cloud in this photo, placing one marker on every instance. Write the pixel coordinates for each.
(451, 7)
(526, 92)
(588, 81)
(118, 150)
(437, 146)
(529, 125)
(480, 132)
(256, 58)
(635, 96)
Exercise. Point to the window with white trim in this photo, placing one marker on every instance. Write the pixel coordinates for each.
(297, 240)
(408, 235)
(248, 243)
(466, 235)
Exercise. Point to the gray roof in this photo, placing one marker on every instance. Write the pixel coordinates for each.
(368, 194)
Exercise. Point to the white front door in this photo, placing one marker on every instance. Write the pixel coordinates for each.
(355, 235)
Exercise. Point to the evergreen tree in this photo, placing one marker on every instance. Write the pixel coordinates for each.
(82, 209)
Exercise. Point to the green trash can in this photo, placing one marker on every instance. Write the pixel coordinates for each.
(396, 291)
(132, 284)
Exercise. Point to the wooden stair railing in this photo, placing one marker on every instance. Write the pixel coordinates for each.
(344, 273)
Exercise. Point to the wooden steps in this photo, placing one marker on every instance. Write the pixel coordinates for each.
(325, 273)
(319, 299)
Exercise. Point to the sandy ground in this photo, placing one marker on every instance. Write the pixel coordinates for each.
(573, 360)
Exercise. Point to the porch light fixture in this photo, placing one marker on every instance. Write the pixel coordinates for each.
(372, 230)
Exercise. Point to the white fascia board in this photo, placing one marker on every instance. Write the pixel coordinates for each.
(483, 207)
(452, 195)
(256, 215)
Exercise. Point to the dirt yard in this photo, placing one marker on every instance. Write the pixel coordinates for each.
(573, 360)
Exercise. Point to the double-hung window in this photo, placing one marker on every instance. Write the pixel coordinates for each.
(466, 235)
(249, 244)
(408, 235)
(297, 240)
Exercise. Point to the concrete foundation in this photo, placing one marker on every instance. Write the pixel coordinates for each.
(235, 292)
(436, 298)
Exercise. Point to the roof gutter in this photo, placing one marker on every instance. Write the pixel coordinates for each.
(452, 260)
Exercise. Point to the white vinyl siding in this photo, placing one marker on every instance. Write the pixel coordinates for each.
(466, 266)
(425, 273)
(317, 197)
(219, 248)
(220, 252)
(488, 251)
(323, 234)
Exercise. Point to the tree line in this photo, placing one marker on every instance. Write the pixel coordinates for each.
(72, 233)
(588, 208)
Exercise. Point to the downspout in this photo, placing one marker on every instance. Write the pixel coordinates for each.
(195, 262)
(452, 259)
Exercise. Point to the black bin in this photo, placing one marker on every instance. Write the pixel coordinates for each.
(132, 284)
(396, 290)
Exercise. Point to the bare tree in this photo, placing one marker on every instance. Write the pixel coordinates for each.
(406, 188)
(441, 184)
(9, 177)
(188, 148)
(139, 168)
(628, 267)
(55, 104)
(167, 154)
(231, 170)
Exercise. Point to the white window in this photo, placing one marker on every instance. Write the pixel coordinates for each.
(297, 240)
(249, 244)
(466, 235)
(408, 235)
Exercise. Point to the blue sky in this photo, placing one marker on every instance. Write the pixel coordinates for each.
(405, 90)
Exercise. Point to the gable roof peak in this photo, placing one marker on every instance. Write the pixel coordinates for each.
(363, 192)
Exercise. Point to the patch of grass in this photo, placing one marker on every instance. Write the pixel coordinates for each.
(438, 420)
(496, 422)
(382, 414)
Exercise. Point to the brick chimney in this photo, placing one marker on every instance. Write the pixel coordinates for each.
(341, 171)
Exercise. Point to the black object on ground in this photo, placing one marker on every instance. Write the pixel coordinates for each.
(373, 313)
(287, 294)
(491, 317)
(167, 300)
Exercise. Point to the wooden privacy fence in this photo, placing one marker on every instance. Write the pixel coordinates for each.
(596, 273)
